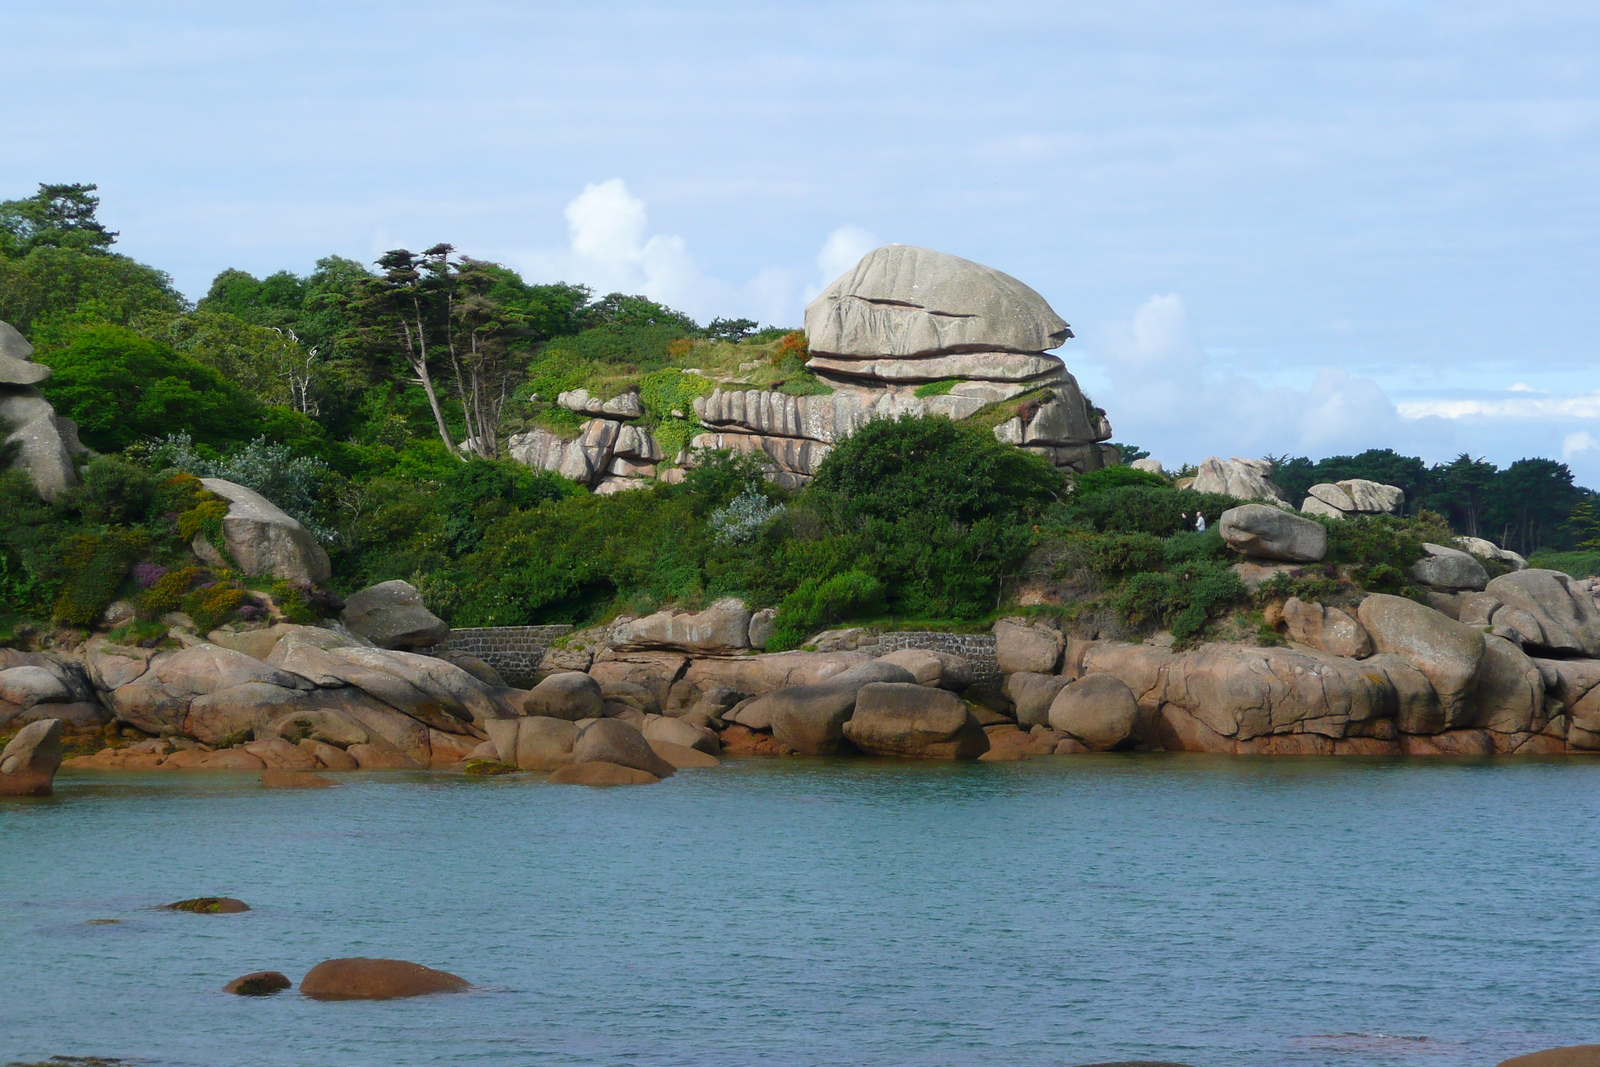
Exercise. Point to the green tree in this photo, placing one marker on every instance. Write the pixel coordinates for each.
(58, 216)
(122, 387)
(1466, 485)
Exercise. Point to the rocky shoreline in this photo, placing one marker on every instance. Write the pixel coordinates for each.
(1513, 668)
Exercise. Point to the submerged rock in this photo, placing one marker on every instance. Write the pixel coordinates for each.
(358, 978)
(602, 774)
(209, 905)
(258, 984)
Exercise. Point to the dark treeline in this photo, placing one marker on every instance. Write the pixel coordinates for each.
(1524, 507)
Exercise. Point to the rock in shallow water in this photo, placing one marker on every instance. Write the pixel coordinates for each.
(1570, 1056)
(258, 984)
(601, 774)
(209, 905)
(359, 978)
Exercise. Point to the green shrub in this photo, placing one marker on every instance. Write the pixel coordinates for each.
(212, 605)
(666, 391)
(1145, 509)
(166, 593)
(1091, 482)
(1183, 600)
(818, 602)
(120, 387)
(97, 564)
(1113, 555)
(1382, 548)
(1583, 563)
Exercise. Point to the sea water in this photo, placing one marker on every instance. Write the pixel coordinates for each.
(1214, 911)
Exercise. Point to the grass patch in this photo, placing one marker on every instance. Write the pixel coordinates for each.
(1580, 563)
(996, 414)
(939, 388)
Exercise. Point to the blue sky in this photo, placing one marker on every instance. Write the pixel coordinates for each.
(1276, 228)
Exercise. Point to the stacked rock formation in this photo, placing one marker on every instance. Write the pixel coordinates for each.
(1357, 496)
(46, 443)
(901, 319)
(609, 454)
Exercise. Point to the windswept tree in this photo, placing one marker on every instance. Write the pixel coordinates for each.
(407, 308)
(59, 216)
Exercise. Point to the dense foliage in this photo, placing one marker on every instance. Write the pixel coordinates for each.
(375, 404)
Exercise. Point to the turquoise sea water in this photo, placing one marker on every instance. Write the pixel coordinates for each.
(1219, 912)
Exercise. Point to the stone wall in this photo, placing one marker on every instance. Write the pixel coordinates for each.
(514, 651)
(979, 649)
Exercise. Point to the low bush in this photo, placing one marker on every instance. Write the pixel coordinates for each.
(1147, 509)
(1114, 477)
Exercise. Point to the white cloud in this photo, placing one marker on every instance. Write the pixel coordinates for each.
(842, 250)
(1582, 406)
(609, 250)
(1169, 396)
(1573, 443)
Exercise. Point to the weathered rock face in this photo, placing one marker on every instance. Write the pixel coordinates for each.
(722, 628)
(1031, 695)
(1098, 710)
(1244, 479)
(570, 695)
(29, 761)
(1556, 617)
(1022, 647)
(1449, 568)
(906, 301)
(810, 719)
(909, 720)
(1325, 629)
(1262, 531)
(46, 443)
(391, 615)
(945, 670)
(608, 453)
(264, 540)
(1358, 496)
(614, 741)
(1444, 651)
(1238, 693)
(1478, 546)
(876, 334)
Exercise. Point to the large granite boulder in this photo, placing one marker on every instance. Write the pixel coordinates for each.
(810, 719)
(533, 742)
(1487, 549)
(1508, 696)
(1262, 531)
(29, 761)
(615, 741)
(1446, 652)
(722, 628)
(1324, 628)
(156, 694)
(1031, 694)
(1449, 568)
(46, 443)
(265, 540)
(1357, 496)
(1565, 619)
(914, 721)
(392, 615)
(376, 979)
(904, 301)
(1242, 479)
(1097, 710)
(439, 694)
(944, 670)
(1022, 647)
(16, 359)
(570, 695)
(1238, 693)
